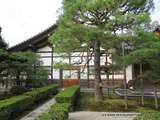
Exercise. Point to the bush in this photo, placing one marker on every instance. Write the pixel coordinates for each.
(39, 78)
(5, 95)
(59, 111)
(147, 114)
(40, 94)
(45, 116)
(68, 95)
(18, 90)
(65, 100)
(12, 107)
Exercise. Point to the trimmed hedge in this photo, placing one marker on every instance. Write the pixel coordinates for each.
(40, 94)
(68, 95)
(45, 116)
(65, 101)
(18, 90)
(12, 107)
(59, 111)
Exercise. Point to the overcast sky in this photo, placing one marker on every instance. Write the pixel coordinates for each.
(22, 19)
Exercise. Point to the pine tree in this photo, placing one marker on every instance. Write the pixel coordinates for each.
(3, 45)
(146, 51)
(96, 23)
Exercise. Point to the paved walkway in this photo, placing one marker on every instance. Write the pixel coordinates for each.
(101, 116)
(39, 111)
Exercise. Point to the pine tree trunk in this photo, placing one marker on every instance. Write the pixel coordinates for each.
(124, 81)
(142, 86)
(107, 75)
(125, 89)
(98, 81)
(155, 97)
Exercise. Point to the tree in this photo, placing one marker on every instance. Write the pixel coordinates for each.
(3, 55)
(3, 45)
(95, 24)
(22, 66)
(3, 52)
(146, 51)
(27, 64)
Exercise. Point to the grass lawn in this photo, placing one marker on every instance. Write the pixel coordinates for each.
(112, 103)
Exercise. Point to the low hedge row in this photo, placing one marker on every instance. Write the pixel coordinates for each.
(39, 94)
(44, 116)
(68, 95)
(65, 100)
(12, 107)
(59, 111)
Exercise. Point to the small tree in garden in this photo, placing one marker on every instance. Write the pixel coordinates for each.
(96, 24)
(3, 45)
(146, 50)
(21, 66)
(154, 76)
(28, 64)
(3, 56)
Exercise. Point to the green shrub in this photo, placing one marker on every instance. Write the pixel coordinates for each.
(68, 95)
(147, 114)
(13, 106)
(18, 90)
(45, 116)
(40, 94)
(59, 111)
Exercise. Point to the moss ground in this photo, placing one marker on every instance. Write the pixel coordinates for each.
(112, 103)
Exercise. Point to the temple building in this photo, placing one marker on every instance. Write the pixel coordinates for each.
(77, 74)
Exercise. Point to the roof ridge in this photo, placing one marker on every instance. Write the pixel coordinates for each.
(35, 36)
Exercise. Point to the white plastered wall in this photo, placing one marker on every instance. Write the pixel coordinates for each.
(129, 73)
(47, 62)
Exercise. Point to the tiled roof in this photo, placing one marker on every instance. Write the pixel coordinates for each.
(41, 37)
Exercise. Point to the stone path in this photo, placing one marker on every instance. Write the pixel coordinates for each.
(39, 111)
(101, 116)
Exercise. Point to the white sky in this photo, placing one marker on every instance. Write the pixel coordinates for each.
(22, 19)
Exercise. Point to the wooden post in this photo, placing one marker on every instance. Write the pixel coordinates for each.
(107, 75)
(156, 97)
(52, 65)
(88, 71)
(142, 86)
(69, 64)
(61, 77)
(79, 75)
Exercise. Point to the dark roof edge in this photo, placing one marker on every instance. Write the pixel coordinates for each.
(28, 41)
